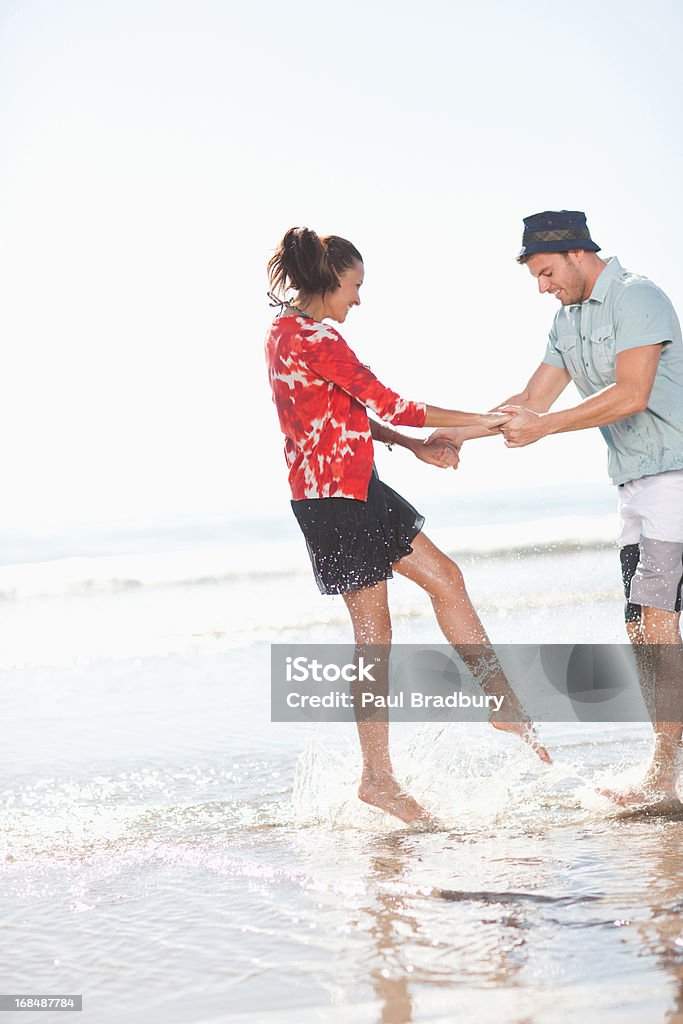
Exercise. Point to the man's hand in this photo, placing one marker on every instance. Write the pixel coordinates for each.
(524, 427)
(437, 453)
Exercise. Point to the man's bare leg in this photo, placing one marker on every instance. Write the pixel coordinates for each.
(659, 657)
(438, 574)
(369, 610)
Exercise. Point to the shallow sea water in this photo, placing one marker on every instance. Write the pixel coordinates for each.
(173, 856)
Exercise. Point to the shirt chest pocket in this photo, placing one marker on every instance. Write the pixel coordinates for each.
(566, 346)
(603, 344)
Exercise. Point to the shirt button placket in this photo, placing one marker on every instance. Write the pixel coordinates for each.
(586, 362)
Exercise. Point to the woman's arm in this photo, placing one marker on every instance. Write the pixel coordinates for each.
(439, 453)
(485, 422)
(324, 350)
(544, 387)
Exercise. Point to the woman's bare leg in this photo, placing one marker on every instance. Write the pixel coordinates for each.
(438, 574)
(369, 610)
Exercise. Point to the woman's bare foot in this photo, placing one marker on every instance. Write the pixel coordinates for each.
(526, 732)
(383, 791)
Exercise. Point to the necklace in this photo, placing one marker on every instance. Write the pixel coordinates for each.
(285, 304)
(303, 313)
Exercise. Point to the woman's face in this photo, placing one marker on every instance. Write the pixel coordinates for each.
(340, 301)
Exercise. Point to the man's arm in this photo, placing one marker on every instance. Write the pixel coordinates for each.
(544, 388)
(635, 371)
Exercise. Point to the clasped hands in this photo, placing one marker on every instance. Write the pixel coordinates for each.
(519, 427)
(522, 426)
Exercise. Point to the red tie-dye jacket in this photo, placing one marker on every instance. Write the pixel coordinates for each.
(320, 390)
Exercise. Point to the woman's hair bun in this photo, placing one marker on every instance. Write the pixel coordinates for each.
(309, 264)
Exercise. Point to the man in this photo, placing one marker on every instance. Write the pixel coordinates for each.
(617, 336)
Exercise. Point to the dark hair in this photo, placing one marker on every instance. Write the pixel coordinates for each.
(310, 264)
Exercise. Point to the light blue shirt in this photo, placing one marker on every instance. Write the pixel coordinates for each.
(626, 311)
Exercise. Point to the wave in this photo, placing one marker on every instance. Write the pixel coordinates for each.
(252, 562)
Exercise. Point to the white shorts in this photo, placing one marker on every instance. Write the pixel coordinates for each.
(651, 541)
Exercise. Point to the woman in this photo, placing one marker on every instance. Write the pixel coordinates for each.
(359, 531)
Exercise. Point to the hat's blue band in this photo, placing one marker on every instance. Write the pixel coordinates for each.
(558, 245)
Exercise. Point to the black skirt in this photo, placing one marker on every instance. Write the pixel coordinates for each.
(353, 544)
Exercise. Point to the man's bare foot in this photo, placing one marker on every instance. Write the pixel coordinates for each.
(526, 732)
(656, 794)
(645, 800)
(383, 791)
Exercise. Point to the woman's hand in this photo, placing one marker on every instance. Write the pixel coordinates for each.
(437, 452)
(452, 436)
(494, 420)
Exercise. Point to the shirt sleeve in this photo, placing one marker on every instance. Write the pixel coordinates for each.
(325, 352)
(643, 315)
(552, 357)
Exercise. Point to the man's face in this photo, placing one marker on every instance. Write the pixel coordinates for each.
(562, 274)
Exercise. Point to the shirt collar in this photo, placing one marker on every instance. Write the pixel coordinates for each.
(611, 271)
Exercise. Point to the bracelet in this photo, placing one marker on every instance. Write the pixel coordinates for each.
(389, 445)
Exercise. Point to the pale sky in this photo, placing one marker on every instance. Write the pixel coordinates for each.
(152, 154)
